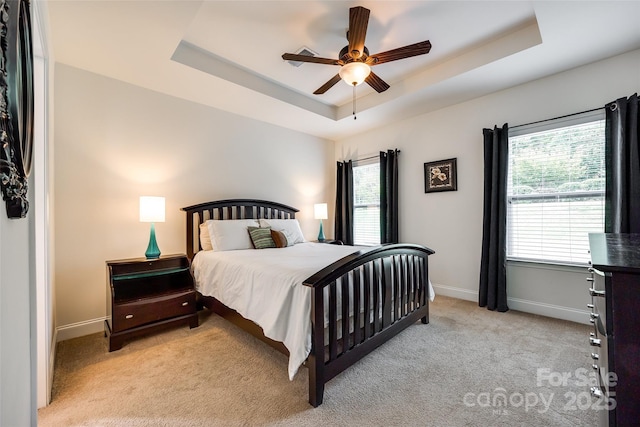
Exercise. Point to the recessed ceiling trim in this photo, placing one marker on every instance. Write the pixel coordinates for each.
(516, 40)
(200, 59)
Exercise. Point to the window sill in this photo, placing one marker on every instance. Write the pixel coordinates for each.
(547, 265)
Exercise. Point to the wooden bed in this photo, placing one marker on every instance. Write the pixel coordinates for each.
(388, 282)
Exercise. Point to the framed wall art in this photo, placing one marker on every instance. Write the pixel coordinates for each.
(16, 105)
(440, 176)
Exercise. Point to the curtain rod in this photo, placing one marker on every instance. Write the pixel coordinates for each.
(556, 118)
(371, 157)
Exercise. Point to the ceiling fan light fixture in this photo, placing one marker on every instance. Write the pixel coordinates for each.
(354, 73)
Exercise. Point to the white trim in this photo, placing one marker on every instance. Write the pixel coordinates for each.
(45, 333)
(52, 361)
(566, 121)
(549, 310)
(517, 304)
(80, 329)
(450, 291)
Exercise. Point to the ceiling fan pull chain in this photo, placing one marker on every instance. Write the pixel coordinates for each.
(354, 102)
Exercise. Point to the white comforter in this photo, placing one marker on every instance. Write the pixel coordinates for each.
(265, 286)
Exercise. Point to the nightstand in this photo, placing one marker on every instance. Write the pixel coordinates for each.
(145, 295)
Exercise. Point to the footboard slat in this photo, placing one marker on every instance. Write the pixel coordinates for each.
(403, 283)
(411, 283)
(333, 322)
(376, 287)
(387, 291)
(366, 283)
(344, 281)
(357, 304)
(397, 298)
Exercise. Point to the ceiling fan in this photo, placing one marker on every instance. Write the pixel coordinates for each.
(354, 59)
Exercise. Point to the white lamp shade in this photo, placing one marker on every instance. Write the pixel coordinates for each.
(320, 211)
(354, 73)
(151, 209)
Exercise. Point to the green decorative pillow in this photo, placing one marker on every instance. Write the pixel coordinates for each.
(261, 237)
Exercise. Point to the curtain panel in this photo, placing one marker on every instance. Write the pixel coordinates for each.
(389, 196)
(493, 270)
(344, 203)
(622, 164)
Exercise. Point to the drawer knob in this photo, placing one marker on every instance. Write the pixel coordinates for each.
(595, 367)
(595, 342)
(186, 303)
(595, 293)
(596, 392)
(590, 306)
(589, 279)
(595, 356)
(129, 316)
(594, 315)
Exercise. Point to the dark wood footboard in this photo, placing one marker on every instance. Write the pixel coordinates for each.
(382, 290)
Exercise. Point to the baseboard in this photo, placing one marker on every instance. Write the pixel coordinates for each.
(52, 363)
(549, 310)
(527, 306)
(450, 291)
(80, 329)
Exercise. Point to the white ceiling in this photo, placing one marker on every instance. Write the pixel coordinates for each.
(227, 54)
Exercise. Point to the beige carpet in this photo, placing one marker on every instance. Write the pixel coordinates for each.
(451, 372)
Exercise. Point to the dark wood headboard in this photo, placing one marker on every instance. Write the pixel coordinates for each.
(230, 209)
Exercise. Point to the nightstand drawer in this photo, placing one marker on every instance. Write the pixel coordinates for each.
(143, 311)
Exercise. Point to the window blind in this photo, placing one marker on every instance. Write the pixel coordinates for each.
(555, 189)
(366, 193)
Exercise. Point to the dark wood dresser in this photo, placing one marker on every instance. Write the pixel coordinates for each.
(615, 340)
(144, 295)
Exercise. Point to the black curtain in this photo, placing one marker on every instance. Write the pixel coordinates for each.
(344, 203)
(622, 163)
(389, 196)
(493, 272)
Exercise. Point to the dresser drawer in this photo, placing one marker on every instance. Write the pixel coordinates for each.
(147, 310)
(599, 302)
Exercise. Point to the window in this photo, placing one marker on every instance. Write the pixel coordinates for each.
(366, 194)
(555, 189)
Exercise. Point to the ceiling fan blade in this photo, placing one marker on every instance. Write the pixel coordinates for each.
(358, 22)
(400, 53)
(328, 85)
(314, 59)
(376, 82)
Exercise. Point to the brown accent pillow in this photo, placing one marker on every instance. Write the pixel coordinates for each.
(279, 239)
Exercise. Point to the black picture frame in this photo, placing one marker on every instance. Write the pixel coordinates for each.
(441, 175)
(16, 105)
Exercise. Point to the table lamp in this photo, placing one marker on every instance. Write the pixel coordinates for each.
(152, 210)
(320, 212)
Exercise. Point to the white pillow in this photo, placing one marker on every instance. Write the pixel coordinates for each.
(289, 227)
(230, 234)
(205, 240)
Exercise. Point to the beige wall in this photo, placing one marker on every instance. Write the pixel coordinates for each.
(451, 222)
(116, 142)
